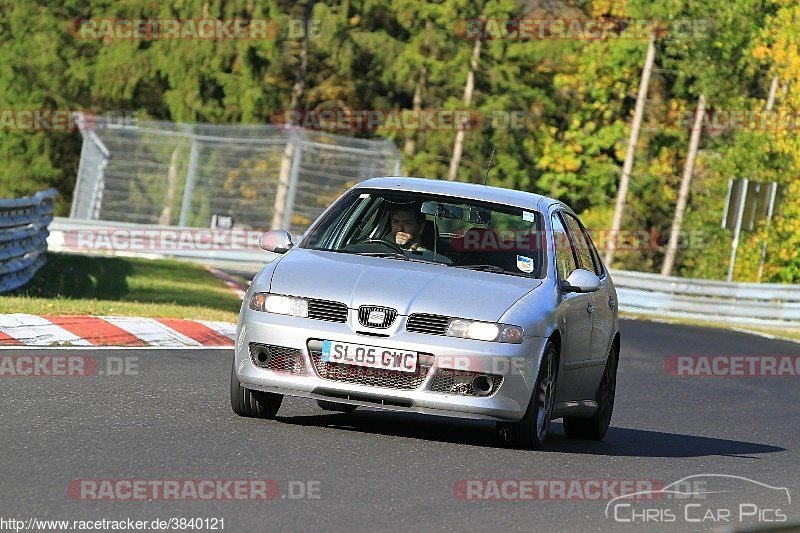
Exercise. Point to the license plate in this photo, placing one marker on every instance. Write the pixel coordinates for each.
(369, 356)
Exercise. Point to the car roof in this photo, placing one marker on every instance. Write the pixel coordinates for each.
(471, 191)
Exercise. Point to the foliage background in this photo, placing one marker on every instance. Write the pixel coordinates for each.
(577, 97)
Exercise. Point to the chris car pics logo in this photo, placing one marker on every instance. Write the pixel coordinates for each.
(705, 500)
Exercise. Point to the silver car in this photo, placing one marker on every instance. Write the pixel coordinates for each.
(435, 297)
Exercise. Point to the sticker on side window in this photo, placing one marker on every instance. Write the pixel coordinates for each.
(528, 216)
(525, 264)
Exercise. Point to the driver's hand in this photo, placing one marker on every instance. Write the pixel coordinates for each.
(402, 238)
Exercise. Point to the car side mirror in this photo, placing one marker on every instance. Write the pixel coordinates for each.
(277, 240)
(581, 281)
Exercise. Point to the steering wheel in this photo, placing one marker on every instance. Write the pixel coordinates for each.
(389, 244)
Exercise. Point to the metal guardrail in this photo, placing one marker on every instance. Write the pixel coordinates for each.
(23, 237)
(762, 304)
(754, 304)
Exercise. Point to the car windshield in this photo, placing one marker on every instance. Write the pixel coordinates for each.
(456, 232)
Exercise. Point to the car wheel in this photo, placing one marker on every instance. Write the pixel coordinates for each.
(336, 406)
(595, 428)
(253, 403)
(530, 431)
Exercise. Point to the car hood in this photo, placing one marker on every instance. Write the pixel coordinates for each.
(408, 286)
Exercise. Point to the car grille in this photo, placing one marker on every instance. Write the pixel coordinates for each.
(361, 375)
(277, 358)
(325, 310)
(460, 382)
(430, 324)
(364, 311)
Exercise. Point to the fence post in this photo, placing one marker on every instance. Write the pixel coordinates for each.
(99, 188)
(294, 175)
(190, 177)
(738, 229)
(88, 195)
(82, 170)
(727, 207)
(284, 181)
(770, 209)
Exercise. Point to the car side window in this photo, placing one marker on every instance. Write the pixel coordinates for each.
(599, 269)
(565, 261)
(369, 222)
(598, 265)
(582, 250)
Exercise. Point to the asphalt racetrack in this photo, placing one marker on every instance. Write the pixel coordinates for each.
(166, 416)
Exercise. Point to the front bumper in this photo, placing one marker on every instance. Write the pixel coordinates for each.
(516, 363)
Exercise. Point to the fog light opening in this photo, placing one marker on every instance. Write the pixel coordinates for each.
(262, 357)
(482, 385)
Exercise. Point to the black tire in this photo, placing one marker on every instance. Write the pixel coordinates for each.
(595, 427)
(530, 432)
(336, 406)
(253, 403)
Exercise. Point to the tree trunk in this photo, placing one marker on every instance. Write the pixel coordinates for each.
(411, 141)
(298, 89)
(686, 185)
(627, 167)
(172, 183)
(773, 89)
(422, 82)
(458, 146)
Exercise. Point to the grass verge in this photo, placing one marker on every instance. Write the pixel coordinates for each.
(72, 284)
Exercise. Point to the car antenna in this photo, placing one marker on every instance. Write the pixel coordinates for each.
(488, 167)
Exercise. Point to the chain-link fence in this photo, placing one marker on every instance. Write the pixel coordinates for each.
(263, 176)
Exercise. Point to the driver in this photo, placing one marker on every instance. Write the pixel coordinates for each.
(407, 225)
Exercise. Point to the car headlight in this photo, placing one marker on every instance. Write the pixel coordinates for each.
(484, 331)
(279, 304)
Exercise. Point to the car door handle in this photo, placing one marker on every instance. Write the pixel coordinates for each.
(590, 307)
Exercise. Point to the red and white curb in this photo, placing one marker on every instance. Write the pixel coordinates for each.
(79, 330)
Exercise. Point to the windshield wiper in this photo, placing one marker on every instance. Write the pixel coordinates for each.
(398, 255)
(485, 268)
(390, 255)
